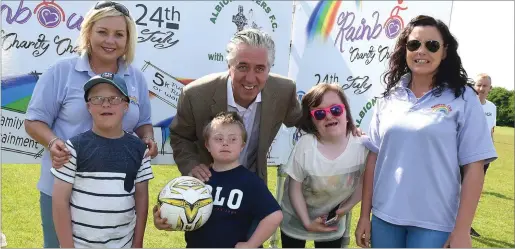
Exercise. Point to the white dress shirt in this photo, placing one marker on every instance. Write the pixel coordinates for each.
(248, 115)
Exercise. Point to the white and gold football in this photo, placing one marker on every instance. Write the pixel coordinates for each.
(186, 203)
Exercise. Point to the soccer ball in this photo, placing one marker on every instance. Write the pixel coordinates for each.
(186, 203)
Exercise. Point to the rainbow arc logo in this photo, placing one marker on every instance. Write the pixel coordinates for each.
(322, 18)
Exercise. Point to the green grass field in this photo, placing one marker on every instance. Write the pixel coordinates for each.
(22, 225)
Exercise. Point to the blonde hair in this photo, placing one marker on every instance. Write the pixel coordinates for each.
(224, 118)
(94, 15)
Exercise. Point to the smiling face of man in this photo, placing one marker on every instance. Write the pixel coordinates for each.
(249, 73)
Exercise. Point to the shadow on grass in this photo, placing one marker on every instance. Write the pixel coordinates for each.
(498, 195)
(493, 242)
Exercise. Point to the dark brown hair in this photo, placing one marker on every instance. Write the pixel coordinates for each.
(225, 118)
(313, 99)
(450, 73)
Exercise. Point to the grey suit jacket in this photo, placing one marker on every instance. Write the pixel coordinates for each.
(203, 98)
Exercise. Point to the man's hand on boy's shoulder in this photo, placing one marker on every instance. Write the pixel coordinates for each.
(201, 172)
(158, 222)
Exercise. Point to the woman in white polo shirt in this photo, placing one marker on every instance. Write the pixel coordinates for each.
(428, 124)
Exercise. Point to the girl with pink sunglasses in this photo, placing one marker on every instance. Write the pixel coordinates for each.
(324, 172)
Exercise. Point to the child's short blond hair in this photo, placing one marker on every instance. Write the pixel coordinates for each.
(225, 118)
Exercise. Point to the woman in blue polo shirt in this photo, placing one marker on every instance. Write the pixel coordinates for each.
(57, 110)
(428, 124)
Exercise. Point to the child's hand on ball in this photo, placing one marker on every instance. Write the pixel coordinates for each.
(158, 222)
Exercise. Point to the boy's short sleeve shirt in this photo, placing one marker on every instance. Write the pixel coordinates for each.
(104, 173)
(239, 198)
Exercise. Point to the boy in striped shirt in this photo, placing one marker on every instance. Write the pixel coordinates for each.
(100, 197)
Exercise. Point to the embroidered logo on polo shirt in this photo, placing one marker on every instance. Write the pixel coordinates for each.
(133, 100)
(445, 109)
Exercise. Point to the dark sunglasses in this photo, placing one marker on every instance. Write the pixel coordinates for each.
(414, 45)
(335, 110)
(117, 6)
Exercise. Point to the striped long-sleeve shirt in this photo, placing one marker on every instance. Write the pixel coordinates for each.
(104, 173)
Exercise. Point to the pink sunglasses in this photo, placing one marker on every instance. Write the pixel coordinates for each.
(335, 110)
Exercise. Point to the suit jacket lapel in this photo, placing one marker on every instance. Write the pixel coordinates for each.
(268, 103)
(219, 103)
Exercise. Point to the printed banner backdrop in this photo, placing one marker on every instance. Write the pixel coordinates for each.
(178, 42)
(350, 42)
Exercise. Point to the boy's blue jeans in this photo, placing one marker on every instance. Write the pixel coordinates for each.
(47, 221)
(387, 235)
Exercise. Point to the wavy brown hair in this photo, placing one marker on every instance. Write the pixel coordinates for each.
(449, 74)
(313, 99)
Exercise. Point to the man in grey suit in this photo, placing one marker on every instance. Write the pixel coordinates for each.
(264, 100)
